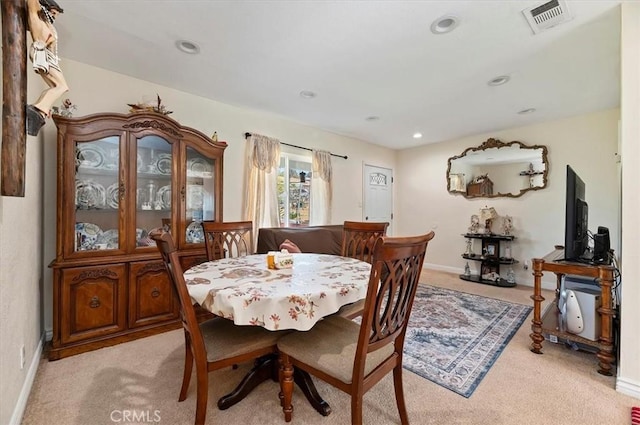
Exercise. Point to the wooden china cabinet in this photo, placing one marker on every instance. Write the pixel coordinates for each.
(120, 176)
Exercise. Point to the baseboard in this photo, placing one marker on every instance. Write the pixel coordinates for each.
(441, 268)
(21, 405)
(548, 279)
(626, 386)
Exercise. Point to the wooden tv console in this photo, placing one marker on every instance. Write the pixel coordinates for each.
(550, 322)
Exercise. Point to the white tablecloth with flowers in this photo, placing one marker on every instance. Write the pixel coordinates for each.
(244, 290)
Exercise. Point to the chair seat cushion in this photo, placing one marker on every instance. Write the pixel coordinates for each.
(224, 339)
(330, 346)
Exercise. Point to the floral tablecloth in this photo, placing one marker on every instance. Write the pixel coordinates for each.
(244, 290)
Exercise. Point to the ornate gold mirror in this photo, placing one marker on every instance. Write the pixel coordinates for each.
(496, 169)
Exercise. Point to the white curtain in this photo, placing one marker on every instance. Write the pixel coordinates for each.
(260, 203)
(321, 189)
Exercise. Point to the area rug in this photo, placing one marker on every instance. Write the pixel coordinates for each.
(453, 338)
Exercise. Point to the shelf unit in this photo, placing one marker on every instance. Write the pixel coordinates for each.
(491, 258)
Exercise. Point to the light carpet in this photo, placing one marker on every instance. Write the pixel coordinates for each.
(454, 338)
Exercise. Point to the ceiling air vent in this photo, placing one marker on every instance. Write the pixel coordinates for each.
(547, 15)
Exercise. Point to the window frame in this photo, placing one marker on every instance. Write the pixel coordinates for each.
(288, 157)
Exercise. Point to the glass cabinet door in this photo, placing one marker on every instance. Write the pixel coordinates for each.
(199, 194)
(153, 187)
(98, 193)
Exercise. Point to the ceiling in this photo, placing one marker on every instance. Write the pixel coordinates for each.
(361, 59)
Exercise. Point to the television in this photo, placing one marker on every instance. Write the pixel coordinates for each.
(576, 237)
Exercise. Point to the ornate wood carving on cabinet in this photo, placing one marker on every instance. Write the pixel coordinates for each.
(120, 176)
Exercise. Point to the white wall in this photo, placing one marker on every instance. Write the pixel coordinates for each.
(588, 143)
(629, 371)
(20, 283)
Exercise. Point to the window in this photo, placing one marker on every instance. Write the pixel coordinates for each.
(294, 190)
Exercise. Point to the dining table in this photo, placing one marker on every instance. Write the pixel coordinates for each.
(248, 292)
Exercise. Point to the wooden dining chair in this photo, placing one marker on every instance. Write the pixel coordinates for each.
(213, 344)
(230, 239)
(358, 239)
(352, 357)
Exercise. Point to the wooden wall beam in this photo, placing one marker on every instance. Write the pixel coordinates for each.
(14, 92)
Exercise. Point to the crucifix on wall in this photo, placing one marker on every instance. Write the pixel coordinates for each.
(17, 116)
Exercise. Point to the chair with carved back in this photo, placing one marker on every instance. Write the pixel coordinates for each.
(214, 344)
(358, 239)
(230, 239)
(352, 357)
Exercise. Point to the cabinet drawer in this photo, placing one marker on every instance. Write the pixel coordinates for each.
(93, 301)
(151, 297)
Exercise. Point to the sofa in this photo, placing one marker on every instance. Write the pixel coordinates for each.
(317, 239)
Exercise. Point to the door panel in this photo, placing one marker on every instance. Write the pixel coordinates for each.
(378, 195)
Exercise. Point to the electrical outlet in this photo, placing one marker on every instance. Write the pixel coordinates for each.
(22, 357)
(526, 264)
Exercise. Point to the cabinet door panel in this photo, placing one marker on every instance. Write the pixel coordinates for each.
(151, 297)
(154, 194)
(99, 191)
(93, 302)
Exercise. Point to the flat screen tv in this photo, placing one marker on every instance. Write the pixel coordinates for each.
(576, 237)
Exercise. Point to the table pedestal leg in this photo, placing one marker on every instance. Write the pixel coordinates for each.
(304, 382)
(262, 370)
(267, 367)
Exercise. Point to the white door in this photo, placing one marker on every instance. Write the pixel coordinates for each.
(378, 200)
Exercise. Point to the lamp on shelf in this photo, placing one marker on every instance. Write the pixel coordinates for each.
(488, 214)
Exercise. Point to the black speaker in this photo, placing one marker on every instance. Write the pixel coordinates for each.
(601, 246)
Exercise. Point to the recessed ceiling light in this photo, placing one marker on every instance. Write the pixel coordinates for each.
(307, 94)
(444, 24)
(187, 46)
(527, 111)
(498, 81)
(372, 118)
(417, 135)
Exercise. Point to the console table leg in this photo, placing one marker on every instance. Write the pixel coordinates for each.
(536, 322)
(605, 353)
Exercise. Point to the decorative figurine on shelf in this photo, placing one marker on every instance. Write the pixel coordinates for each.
(507, 250)
(475, 224)
(148, 107)
(511, 276)
(488, 214)
(214, 137)
(469, 251)
(44, 56)
(467, 270)
(507, 225)
(66, 110)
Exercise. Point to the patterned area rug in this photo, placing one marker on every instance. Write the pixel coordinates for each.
(453, 338)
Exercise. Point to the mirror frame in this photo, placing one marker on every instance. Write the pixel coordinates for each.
(495, 143)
